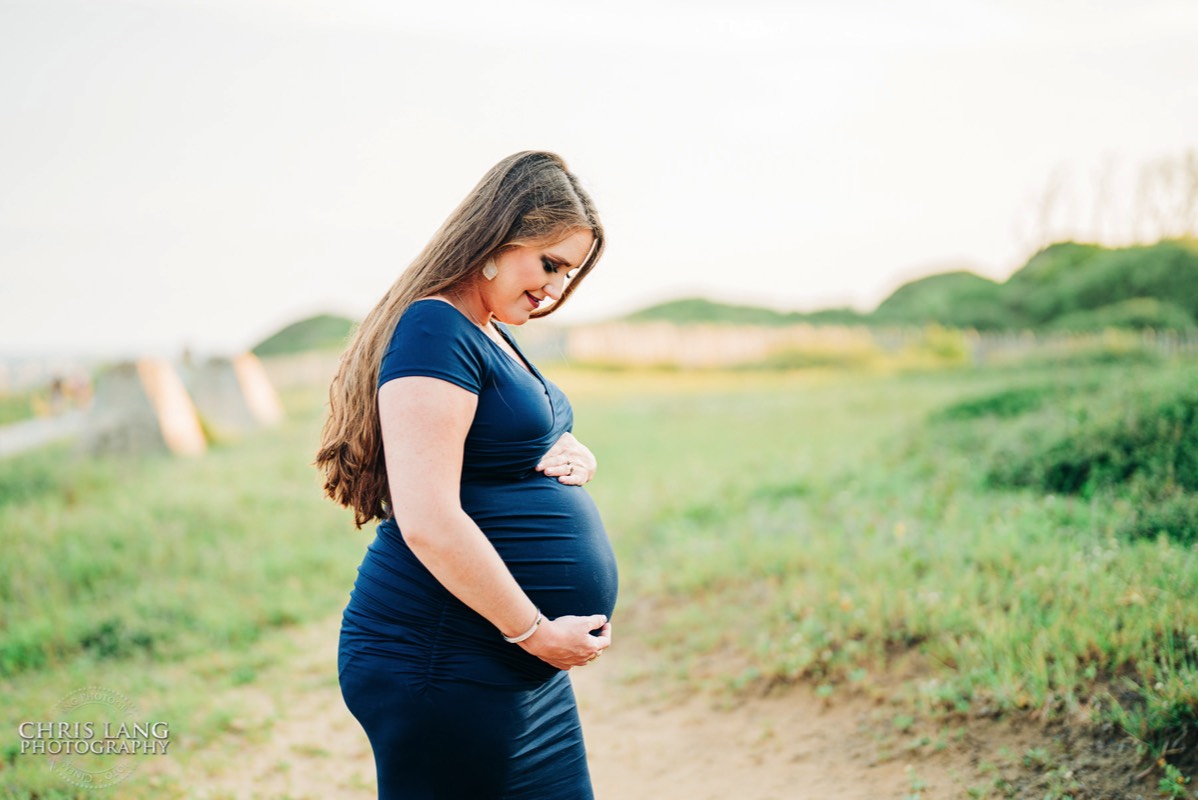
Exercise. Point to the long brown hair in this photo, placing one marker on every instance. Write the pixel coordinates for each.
(527, 197)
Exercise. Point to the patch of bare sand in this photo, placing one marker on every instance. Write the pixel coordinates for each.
(790, 744)
(291, 736)
(294, 738)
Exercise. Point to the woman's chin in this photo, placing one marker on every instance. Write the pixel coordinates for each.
(513, 318)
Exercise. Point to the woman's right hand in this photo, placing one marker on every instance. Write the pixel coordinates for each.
(566, 642)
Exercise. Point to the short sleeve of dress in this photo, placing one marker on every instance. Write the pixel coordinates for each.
(433, 339)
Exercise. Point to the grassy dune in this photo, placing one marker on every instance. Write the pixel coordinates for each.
(16, 407)
(165, 580)
(813, 527)
(771, 527)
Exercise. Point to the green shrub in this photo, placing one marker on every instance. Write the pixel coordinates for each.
(837, 316)
(1166, 271)
(1175, 516)
(698, 310)
(1066, 286)
(1138, 313)
(955, 299)
(1136, 439)
(1050, 265)
(1113, 347)
(1032, 293)
(322, 332)
(1004, 403)
(1073, 278)
(1140, 437)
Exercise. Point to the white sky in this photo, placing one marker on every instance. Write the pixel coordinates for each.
(202, 172)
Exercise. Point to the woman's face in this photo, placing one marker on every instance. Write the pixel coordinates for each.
(531, 276)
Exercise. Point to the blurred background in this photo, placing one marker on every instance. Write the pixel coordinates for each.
(198, 174)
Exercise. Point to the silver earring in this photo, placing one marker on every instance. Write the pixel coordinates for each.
(490, 270)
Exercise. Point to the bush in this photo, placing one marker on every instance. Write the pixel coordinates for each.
(322, 332)
(1175, 516)
(1136, 438)
(1032, 294)
(1112, 347)
(697, 310)
(1071, 277)
(955, 299)
(1006, 403)
(1142, 438)
(1138, 313)
(1053, 263)
(1166, 271)
(837, 316)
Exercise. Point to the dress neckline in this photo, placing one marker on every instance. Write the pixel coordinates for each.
(521, 360)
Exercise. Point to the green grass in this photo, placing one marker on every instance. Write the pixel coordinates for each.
(109, 558)
(16, 407)
(163, 579)
(807, 528)
(771, 527)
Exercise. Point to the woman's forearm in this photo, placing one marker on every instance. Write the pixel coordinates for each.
(460, 557)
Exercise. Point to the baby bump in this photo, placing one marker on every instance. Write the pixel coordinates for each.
(552, 539)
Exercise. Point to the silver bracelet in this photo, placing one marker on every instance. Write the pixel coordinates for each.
(517, 639)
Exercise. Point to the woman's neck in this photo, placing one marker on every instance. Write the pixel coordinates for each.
(471, 306)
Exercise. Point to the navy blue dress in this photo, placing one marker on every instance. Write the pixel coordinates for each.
(453, 711)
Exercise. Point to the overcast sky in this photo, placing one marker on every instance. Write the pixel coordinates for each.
(202, 172)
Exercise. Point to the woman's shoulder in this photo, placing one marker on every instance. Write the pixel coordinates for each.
(433, 338)
(433, 308)
(433, 316)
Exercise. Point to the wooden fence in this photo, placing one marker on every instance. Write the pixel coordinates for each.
(707, 346)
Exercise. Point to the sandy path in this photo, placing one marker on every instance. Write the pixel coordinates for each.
(294, 738)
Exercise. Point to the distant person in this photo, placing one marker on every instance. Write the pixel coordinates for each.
(58, 395)
(490, 575)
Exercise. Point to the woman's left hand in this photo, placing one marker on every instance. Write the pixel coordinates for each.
(569, 461)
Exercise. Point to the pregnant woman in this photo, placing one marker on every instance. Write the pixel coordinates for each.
(490, 575)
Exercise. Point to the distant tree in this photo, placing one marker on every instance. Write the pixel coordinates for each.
(321, 332)
(837, 316)
(1171, 197)
(1066, 285)
(1033, 295)
(959, 299)
(1069, 277)
(1166, 271)
(1142, 203)
(695, 310)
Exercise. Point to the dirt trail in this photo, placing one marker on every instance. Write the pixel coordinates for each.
(294, 738)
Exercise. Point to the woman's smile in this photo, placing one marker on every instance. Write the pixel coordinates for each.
(537, 271)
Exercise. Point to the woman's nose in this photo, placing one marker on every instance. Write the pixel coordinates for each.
(553, 289)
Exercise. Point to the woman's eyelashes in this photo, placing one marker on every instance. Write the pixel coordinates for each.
(554, 267)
